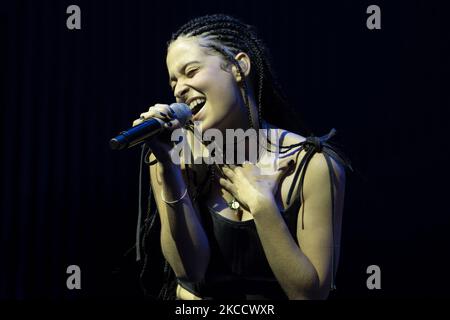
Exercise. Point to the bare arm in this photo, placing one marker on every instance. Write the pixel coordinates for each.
(304, 269)
(183, 240)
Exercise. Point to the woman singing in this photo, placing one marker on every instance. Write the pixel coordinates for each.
(238, 230)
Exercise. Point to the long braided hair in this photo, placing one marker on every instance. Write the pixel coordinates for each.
(226, 36)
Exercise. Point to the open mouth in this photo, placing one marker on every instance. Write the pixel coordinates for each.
(196, 105)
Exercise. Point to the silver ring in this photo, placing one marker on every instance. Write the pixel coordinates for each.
(142, 118)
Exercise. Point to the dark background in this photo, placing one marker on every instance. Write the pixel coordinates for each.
(66, 198)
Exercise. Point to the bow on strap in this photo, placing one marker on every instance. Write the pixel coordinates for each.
(318, 142)
(313, 145)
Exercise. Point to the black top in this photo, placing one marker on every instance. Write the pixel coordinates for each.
(238, 266)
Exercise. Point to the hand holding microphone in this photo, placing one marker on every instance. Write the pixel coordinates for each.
(158, 122)
(173, 116)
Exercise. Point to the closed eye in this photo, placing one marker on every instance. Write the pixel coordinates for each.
(191, 72)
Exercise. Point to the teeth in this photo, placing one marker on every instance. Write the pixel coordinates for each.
(194, 103)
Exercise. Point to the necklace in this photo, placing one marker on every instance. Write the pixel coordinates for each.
(233, 204)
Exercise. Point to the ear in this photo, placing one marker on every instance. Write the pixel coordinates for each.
(244, 61)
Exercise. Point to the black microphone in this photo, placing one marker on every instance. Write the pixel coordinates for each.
(149, 128)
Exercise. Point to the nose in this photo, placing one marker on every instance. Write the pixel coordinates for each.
(180, 92)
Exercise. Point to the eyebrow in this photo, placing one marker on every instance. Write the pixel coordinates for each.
(182, 68)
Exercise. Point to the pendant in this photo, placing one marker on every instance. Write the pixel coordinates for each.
(234, 204)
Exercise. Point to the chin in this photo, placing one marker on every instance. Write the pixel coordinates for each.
(210, 121)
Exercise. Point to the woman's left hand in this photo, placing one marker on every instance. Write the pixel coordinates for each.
(252, 185)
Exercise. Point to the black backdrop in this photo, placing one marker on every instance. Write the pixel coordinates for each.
(66, 198)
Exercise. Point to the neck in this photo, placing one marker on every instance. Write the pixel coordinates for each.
(248, 147)
(250, 137)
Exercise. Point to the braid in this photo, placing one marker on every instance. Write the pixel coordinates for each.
(228, 36)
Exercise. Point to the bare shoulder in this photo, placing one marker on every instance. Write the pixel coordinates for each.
(318, 163)
(317, 175)
(318, 169)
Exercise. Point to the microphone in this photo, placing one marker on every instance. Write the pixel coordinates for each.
(149, 128)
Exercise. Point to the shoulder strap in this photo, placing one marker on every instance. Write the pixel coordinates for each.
(313, 145)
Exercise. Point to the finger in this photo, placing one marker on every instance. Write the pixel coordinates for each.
(171, 111)
(143, 117)
(230, 166)
(172, 124)
(158, 105)
(165, 116)
(238, 170)
(227, 185)
(219, 171)
(157, 110)
(229, 173)
(137, 121)
(165, 108)
(160, 111)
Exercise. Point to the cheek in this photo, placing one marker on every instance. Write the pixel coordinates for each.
(223, 93)
(224, 109)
